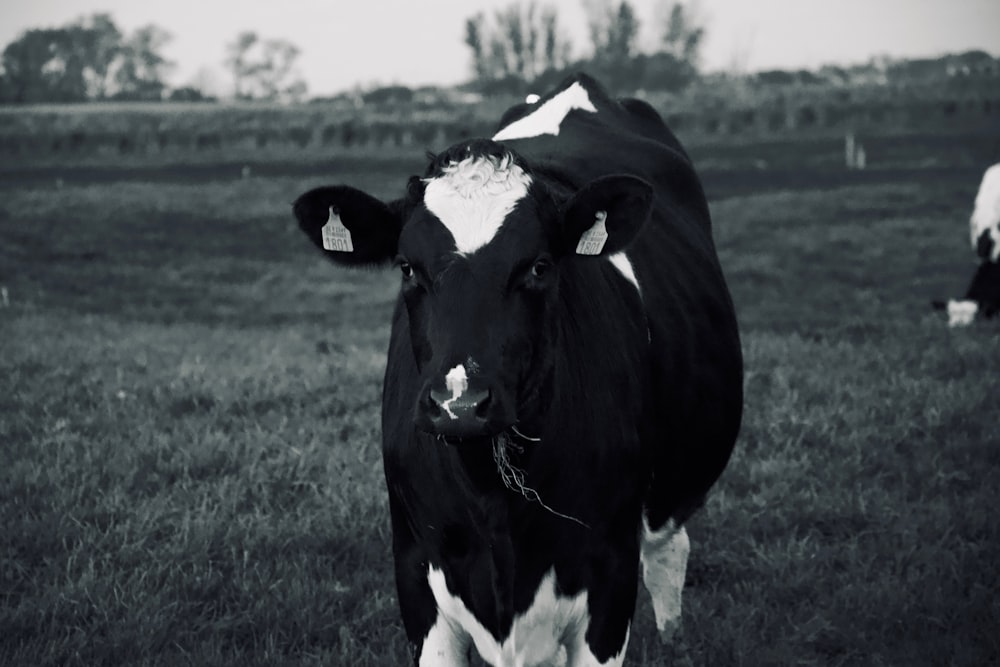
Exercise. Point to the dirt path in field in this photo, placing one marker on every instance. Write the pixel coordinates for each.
(719, 184)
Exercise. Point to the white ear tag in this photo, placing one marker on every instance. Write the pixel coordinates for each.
(592, 241)
(336, 237)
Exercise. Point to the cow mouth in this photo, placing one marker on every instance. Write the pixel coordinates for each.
(509, 437)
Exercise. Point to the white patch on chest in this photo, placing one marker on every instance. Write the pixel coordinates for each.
(456, 382)
(663, 555)
(473, 197)
(986, 215)
(548, 118)
(550, 632)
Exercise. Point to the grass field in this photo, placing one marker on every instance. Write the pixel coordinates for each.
(190, 468)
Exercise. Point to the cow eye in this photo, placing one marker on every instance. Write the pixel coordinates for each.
(540, 268)
(406, 269)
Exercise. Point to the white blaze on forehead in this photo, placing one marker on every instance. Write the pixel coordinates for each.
(547, 118)
(664, 555)
(549, 631)
(986, 215)
(961, 313)
(473, 197)
(456, 381)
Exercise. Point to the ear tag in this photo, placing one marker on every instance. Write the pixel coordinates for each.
(336, 237)
(592, 241)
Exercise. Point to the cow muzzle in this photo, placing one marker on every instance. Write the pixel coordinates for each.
(464, 407)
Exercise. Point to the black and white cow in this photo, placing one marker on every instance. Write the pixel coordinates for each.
(564, 378)
(982, 298)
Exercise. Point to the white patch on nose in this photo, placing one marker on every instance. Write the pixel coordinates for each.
(547, 118)
(550, 632)
(456, 381)
(961, 313)
(664, 555)
(473, 197)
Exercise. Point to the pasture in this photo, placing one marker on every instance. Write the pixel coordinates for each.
(189, 399)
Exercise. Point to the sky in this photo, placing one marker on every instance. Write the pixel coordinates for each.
(350, 43)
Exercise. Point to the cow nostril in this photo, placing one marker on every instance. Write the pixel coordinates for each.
(431, 405)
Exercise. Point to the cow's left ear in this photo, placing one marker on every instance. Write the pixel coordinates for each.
(605, 215)
(351, 226)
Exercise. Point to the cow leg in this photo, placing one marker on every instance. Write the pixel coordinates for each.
(579, 653)
(445, 645)
(601, 641)
(664, 554)
(433, 640)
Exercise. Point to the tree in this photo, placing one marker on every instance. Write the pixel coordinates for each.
(556, 48)
(33, 68)
(142, 68)
(86, 60)
(683, 34)
(621, 40)
(96, 46)
(474, 27)
(263, 69)
(521, 43)
(614, 30)
(67, 64)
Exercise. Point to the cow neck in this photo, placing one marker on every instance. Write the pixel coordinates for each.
(476, 459)
(488, 588)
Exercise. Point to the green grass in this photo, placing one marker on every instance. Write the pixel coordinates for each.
(190, 468)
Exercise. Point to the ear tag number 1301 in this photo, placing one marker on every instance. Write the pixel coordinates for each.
(592, 241)
(336, 236)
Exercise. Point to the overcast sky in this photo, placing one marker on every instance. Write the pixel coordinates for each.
(345, 43)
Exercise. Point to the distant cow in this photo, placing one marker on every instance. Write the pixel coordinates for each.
(564, 378)
(982, 298)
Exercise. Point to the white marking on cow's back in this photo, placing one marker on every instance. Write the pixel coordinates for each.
(664, 554)
(550, 632)
(548, 118)
(456, 381)
(473, 197)
(986, 214)
(961, 313)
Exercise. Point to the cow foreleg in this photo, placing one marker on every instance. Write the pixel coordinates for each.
(433, 640)
(664, 555)
(444, 646)
(602, 637)
(580, 654)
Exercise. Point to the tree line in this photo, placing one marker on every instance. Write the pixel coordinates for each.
(519, 48)
(91, 59)
(523, 46)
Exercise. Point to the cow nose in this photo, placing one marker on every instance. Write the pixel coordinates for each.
(458, 414)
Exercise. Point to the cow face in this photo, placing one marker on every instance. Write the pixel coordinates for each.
(481, 249)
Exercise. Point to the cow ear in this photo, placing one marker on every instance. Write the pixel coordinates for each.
(605, 215)
(351, 226)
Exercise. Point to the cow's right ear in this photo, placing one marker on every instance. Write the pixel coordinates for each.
(351, 226)
(604, 216)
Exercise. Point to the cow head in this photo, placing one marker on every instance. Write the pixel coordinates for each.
(481, 246)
